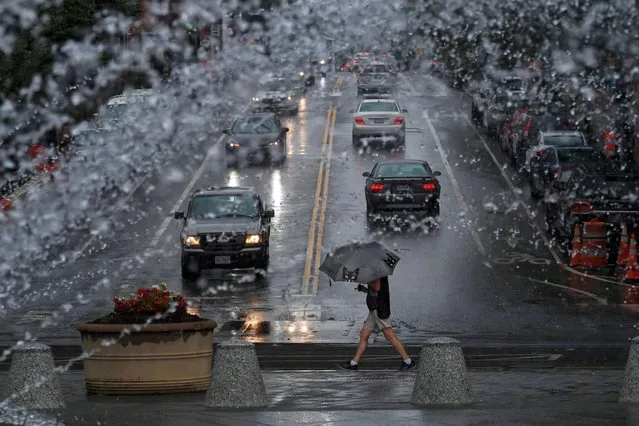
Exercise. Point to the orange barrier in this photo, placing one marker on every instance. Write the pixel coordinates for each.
(624, 247)
(631, 266)
(629, 294)
(594, 250)
(6, 204)
(575, 254)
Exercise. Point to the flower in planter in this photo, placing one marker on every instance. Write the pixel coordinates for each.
(155, 300)
(157, 304)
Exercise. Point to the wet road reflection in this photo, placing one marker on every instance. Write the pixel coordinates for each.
(479, 272)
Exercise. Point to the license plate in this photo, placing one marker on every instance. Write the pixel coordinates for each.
(403, 188)
(222, 260)
(378, 120)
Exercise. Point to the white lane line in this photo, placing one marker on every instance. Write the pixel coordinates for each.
(186, 192)
(456, 187)
(514, 190)
(601, 300)
(123, 202)
(75, 256)
(531, 217)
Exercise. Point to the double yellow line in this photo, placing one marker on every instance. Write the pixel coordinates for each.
(320, 203)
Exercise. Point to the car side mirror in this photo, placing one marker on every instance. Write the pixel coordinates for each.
(226, 131)
(178, 215)
(437, 173)
(366, 174)
(351, 111)
(268, 214)
(286, 129)
(404, 110)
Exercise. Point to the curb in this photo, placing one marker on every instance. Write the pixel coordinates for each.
(324, 356)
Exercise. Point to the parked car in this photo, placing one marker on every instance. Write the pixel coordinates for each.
(550, 162)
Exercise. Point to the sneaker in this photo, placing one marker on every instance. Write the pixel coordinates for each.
(406, 367)
(346, 365)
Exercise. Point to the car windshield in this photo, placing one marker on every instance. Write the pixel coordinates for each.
(376, 69)
(563, 140)
(378, 107)
(585, 157)
(277, 85)
(513, 84)
(223, 205)
(256, 125)
(398, 170)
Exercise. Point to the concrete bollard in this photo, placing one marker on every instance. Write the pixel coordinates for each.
(33, 383)
(630, 389)
(236, 381)
(442, 378)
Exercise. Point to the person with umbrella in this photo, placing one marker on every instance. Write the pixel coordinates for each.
(369, 263)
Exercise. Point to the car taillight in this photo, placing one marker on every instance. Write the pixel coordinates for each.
(610, 147)
(398, 121)
(429, 186)
(377, 187)
(341, 69)
(581, 207)
(359, 121)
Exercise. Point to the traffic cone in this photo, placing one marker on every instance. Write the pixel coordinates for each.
(630, 296)
(575, 255)
(632, 273)
(622, 255)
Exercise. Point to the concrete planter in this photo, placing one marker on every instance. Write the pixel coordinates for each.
(160, 359)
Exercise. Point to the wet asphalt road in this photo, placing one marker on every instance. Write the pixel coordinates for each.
(484, 272)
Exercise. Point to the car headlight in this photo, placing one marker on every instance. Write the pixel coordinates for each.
(272, 143)
(253, 239)
(301, 73)
(256, 99)
(322, 62)
(233, 144)
(191, 241)
(289, 98)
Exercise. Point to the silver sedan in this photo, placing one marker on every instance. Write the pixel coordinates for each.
(379, 119)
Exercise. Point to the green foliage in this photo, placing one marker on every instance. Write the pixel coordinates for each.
(72, 20)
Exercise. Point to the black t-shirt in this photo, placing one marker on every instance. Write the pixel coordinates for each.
(379, 300)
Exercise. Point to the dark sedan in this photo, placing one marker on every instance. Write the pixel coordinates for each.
(256, 138)
(551, 164)
(407, 187)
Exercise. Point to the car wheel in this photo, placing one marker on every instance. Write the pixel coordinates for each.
(189, 272)
(356, 141)
(359, 92)
(401, 140)
(434, 209)
(535, 193)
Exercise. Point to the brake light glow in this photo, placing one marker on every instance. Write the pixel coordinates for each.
(610, 147)
(581, 207)
(377, 187)
(430, 186)
(359, 121)
(398, 121)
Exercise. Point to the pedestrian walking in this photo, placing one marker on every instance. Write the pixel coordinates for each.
(378, 319)
(370, 263)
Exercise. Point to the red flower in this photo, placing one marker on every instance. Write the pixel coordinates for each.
(157, 299)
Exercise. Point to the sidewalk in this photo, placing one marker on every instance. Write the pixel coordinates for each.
(540, 397)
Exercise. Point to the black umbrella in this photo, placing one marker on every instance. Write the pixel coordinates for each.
(359, 262)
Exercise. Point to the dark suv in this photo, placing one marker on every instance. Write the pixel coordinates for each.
(225, 228)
